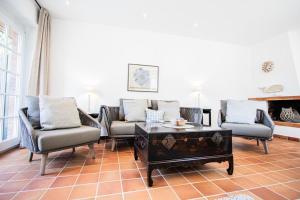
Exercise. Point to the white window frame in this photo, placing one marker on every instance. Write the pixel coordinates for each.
(10, 143)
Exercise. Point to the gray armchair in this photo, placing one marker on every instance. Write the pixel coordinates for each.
(119, 129)
(262, 130)
(44, 142)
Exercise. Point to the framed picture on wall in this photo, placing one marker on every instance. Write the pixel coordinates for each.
(142, 78)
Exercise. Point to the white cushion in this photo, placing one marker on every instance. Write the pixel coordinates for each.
(154, 115)
(134, 109)
(241, 111)
(56, 113)
(171, 109)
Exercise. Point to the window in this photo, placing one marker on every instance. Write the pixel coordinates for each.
(10, 67)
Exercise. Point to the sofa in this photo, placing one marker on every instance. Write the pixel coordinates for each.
(111, 118)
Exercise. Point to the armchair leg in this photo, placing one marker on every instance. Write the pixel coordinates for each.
(257, 142)
(43, 163)
(73, 150)
(265, 144)
(92, 151)
(30, 156)
(113, 145)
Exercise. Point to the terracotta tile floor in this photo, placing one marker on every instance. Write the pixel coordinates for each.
(115, 175)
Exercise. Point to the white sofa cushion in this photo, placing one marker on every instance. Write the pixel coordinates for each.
(57, 113)
(171, 109)
(241, 111)
(134, 109)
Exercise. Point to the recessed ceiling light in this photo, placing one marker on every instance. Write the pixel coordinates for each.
(67, 2)
(196, 25)
(145, 15)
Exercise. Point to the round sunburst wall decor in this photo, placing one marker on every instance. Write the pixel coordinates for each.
(267, 66)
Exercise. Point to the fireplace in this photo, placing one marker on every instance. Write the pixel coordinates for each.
(275, 105)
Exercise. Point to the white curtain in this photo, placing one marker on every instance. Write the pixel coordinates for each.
(38, 79)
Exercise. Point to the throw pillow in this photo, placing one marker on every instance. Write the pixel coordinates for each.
(134, 109)
(57, 113)
(121, 108)
(33, 111)
(171, 109)
(243, 111)
(154, 115)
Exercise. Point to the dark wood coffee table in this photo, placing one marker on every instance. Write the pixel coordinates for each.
(159, 146)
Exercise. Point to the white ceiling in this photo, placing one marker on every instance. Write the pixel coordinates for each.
(234, 21)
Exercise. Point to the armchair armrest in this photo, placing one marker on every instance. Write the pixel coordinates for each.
(267, 120)
(87, 120)
(28, 138)
(192, 114)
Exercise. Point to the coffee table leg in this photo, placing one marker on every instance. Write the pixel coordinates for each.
(149, 172)
(230, 168)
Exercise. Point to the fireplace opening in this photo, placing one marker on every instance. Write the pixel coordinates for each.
(285, 110)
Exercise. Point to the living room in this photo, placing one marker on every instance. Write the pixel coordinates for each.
(150, 99)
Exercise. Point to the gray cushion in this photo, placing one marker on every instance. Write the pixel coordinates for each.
(56, 113)
(121, 109)
(170, 108)
(241, 111)
(134, 110)
(154, 103)
(119, 128)
(255, 130)
(33, 112)
(56, 139)
(259, 113)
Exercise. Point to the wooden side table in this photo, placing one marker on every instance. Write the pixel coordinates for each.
(207, 111)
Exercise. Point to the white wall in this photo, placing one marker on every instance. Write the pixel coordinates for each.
(278, 50)
(295, 48)
(94, 54)
(24, 11)
(284, 51)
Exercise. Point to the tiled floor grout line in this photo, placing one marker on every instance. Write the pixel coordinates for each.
(217, 169)
(273, 154)
(191, 183)
(146, 184)
(266, 186)
(183, 174)
(73, 186)
(174, 185)
(121, 182)
(250, 164)
(246, 165)
(31, 180)
(290, 171)
(256, 173)
(98, 181)
(169, 186)
(291, 187)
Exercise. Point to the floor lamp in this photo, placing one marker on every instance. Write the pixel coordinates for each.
(90, 92)
(197, 92)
